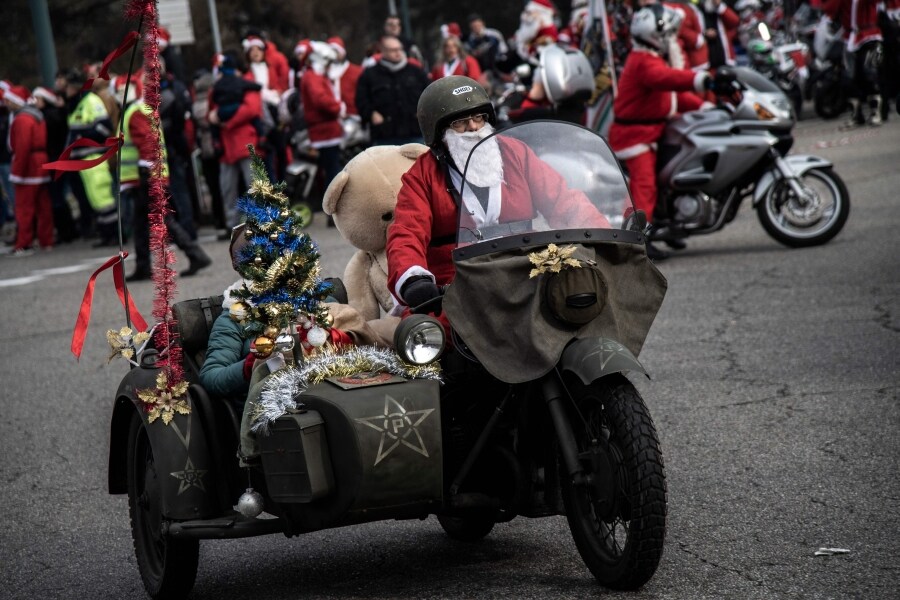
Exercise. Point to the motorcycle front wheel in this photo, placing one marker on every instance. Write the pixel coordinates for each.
(808, 221)
(168, 567)
(620, 543)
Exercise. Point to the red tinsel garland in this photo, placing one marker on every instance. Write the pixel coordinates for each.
(163, 257)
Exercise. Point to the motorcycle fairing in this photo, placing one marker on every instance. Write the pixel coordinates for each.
(500, 313)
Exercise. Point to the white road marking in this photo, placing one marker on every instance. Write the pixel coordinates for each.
(41, 274)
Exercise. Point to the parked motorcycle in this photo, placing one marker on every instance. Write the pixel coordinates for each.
(710, 161)
(783, 62)
(534, 418)
(828, 92)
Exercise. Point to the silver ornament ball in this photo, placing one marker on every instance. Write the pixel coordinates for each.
(250, 504)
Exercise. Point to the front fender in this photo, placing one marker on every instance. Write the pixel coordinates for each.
(180, 452)
(800, 163)
(592, 358)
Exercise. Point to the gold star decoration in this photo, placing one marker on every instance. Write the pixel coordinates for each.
(165, 400)
(553, 260)
(123, 342)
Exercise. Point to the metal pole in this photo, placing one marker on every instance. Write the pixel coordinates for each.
(43, 34)
(404, 15)
(214, 26)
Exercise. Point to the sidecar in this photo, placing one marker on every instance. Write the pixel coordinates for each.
(363, 452)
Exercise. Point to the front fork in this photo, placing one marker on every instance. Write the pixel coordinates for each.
(790, 176)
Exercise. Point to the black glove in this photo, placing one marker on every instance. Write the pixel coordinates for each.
(419, 290)
(724, 81)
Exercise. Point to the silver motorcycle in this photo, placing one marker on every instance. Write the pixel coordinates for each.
(708, 162)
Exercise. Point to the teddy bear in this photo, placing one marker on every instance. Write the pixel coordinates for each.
(361, 200)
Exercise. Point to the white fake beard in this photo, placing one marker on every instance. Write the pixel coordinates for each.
(528, 28)
(487, 168)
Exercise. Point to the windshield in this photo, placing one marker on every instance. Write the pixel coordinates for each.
(540, 176)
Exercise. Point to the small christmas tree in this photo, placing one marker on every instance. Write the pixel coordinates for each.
(280, 262)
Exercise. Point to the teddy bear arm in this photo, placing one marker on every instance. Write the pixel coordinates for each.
(359, 290)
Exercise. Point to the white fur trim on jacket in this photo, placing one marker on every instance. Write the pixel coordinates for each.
(636, 150)
(700, 81)
(29, 180)
(413, 271)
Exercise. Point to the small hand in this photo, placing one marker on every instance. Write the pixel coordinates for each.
(377, 118)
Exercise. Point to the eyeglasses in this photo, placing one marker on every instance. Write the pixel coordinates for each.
(460, 125)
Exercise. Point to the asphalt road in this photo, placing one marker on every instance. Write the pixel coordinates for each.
(775, 392)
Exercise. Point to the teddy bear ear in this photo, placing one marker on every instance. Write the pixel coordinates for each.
(333, 193)
(413, 151)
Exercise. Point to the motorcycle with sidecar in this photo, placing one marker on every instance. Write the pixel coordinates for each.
(533, 415)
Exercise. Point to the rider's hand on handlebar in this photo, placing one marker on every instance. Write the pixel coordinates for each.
(419, 290)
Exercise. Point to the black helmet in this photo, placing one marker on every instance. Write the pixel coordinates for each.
(448, 99)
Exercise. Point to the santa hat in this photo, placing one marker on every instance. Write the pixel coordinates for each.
(163, 37)
(135, 89)
(48, 95)
(253, 41)
(543, 6)
(450, 29)
(17, 94)
(302, 49)
(338, 44)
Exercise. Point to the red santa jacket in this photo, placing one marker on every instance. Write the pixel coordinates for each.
(467, 67)
(28, 144)
(279, 69)
(650, 93)
(859, 19)
(322, 110)
(727, 27)
(239, 130)
(420, 239)
(690, 36)
(344, 80)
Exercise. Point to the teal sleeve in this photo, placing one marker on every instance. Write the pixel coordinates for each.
(222, 373)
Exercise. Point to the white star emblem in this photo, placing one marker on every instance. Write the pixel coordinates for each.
(190, 477)
(397, 425)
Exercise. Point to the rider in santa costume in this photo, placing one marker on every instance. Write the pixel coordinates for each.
(504, 189)
(344, 75)
(28, 144)
(650, 93)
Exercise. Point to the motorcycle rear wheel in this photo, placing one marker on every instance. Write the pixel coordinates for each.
(168, 567)
(798, 224)
(621, 552)
(829, 98)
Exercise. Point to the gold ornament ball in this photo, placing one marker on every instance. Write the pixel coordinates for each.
(273, 237)
(270, 332)
(238, 311)
(257, 260)
(263, 346)
(248, 233)
(328, 320)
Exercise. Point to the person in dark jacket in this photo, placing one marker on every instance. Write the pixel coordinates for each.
(387, 94)
(52, 107)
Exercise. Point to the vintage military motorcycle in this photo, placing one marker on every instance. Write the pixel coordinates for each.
(533, 415)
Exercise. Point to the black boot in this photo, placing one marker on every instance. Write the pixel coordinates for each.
(197, 257)
(654, 253)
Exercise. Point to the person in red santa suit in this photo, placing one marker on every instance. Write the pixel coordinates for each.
(344, 75)
(508, 184)
(536, 29)
(273, 77)
(720, 24)
(28, 145)
(573, 32)
(455, 61)
(863, 56)
(650, 93)
(323, 110)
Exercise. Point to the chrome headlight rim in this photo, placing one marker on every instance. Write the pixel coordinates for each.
(420, 340)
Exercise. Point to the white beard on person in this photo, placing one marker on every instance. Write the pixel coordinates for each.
(486, 167)
(527, 31)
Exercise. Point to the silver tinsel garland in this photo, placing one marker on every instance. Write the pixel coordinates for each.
(279, 394)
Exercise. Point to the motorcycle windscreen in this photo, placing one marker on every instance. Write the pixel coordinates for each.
(539, 176)
(561, 185)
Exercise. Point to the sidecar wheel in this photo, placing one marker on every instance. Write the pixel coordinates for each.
(168, 567)
(466, 529)
(621, 545)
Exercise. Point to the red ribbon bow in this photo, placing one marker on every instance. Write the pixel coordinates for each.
(129, 41)
(84, 313)
(64, 164)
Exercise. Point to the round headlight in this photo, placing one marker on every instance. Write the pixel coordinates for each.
(419, 339)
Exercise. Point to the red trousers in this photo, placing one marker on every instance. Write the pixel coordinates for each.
(642, 182)
(33, 204)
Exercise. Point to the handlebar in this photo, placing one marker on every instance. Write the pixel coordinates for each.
(435, 305)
